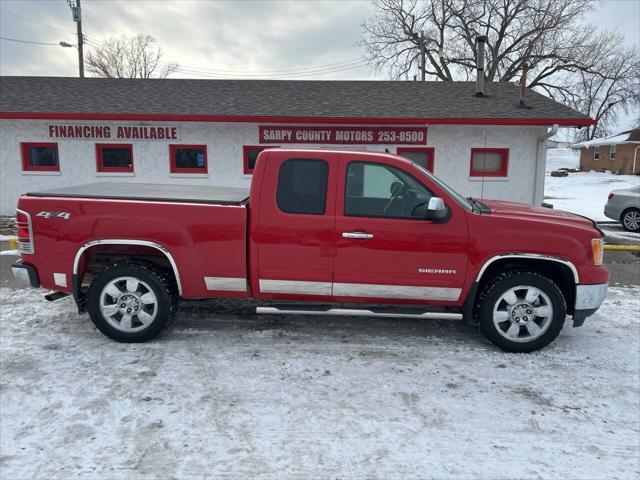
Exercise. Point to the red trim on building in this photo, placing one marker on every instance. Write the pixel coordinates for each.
(430, 150)
(245, 155)
(172, 159)
(566, 122)
(504, 152)
(99, 161)
(24, 150)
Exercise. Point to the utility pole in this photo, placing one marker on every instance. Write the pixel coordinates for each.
(76, 13)
(422, 56)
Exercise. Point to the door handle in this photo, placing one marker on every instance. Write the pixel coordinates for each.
(361, 235)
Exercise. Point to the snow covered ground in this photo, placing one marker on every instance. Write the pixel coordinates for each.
(584, 193)
(223, 396)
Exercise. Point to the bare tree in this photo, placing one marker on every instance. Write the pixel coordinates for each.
(603, 93)
(129, 57)
(563, 53)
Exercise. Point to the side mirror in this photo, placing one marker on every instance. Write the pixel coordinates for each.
(436, 210)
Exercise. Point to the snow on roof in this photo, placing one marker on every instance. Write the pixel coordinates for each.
(630, 136)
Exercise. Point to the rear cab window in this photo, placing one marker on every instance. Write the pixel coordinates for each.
(302, 186)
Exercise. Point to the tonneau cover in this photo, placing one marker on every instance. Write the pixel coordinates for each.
(151, 192)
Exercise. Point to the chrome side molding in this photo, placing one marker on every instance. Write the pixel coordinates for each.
(295, 287)
(227, 284)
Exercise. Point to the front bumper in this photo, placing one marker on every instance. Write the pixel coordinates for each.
(25, 275)
(588, 300)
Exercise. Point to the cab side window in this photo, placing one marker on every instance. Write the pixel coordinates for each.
(378, 190)
(302, 186)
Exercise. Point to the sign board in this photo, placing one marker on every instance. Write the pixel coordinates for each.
(343, 135)
(114, 132)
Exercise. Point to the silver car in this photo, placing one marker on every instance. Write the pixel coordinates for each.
(624, 205)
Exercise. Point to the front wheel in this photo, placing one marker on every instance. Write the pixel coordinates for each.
(521, 311)
(631, 220)
(131, 301)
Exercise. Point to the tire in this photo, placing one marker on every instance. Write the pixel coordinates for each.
(528, 308)
(630, 220)
(132, 301)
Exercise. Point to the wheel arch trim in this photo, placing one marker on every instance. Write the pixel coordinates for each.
(117, 241)
(530, 256)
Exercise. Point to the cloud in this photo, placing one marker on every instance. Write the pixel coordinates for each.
(230, 37)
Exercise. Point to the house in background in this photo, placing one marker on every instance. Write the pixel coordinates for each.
(619, 153)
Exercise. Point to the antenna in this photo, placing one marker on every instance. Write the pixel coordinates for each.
(484, 165)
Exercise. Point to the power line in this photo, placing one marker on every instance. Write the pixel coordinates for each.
(301, 73)
(35, 21)
(282, 70)
(26, 41)
(230, 73)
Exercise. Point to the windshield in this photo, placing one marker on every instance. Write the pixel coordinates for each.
(457, 197)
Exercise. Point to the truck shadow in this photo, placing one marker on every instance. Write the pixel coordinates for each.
(239, 318)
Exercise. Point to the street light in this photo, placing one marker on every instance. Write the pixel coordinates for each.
(66, 45)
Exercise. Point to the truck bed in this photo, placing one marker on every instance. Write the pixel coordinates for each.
(151, 192)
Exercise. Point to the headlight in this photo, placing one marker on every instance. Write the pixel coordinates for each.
(597, 247)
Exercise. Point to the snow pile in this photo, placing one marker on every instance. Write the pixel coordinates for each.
(221, 396)
(616, 231)
(584, 193)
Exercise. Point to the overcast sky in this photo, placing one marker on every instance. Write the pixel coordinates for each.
(219, 39)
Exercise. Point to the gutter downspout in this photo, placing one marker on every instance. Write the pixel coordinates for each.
(635, 155)
(541, 155)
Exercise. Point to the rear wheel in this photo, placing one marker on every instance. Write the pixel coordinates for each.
(630, 219)
(131, 301)
(521, 311)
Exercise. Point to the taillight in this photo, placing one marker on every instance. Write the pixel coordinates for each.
(610, 196)
(25, 232)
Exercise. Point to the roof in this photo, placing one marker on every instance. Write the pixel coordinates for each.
(630, 136)
(334, 101)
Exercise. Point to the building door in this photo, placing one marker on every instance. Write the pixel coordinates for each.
(385, 249)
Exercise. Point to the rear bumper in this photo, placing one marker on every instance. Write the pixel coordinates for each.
(25, 275)
(612, 212)
(588, 300)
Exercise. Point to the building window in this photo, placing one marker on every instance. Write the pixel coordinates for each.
(250, 154)
(612, 152)
(596, 153)
(112, 157)
(421, 155)
(489, 162)
(302, 186)
(40, 157)
(188, 158)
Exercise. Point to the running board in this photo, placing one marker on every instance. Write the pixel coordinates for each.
(357, 313)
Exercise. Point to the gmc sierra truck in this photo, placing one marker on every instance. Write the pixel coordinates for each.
(319, 232)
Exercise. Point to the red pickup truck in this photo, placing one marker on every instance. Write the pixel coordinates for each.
(320, 232)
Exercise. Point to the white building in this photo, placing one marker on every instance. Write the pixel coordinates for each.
(58, 131)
